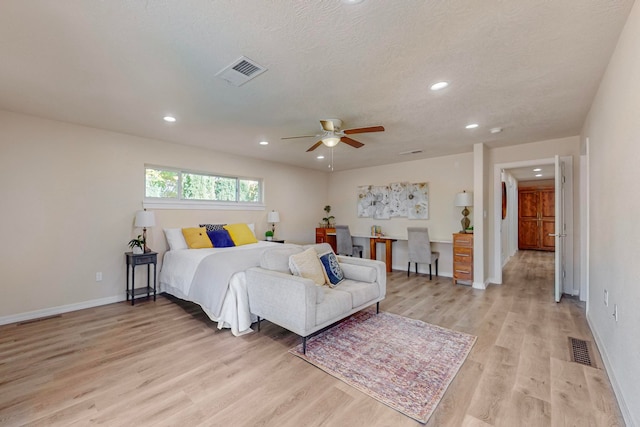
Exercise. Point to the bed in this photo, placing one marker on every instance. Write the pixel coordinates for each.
(214, 279)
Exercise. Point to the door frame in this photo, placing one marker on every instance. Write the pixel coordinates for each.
(497, 209)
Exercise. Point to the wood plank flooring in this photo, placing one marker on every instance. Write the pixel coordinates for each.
(166, 364)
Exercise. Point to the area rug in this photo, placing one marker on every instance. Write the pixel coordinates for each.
(404, 363)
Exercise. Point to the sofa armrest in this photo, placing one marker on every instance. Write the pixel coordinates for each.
(284, 299)
(379, 266)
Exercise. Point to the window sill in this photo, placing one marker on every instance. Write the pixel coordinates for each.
(197, 204)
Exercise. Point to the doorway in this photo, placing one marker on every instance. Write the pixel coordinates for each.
(506, 230)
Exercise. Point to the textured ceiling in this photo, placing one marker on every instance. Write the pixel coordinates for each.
(529, 67)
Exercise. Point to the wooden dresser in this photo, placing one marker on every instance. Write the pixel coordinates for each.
(321, 237)
(462, 257)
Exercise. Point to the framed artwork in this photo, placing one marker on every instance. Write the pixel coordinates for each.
(399, 199)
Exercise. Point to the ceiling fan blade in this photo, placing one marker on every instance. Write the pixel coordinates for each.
(314, 146)
(327, 125)
(351, 142)
(295, 137)
(364, 130)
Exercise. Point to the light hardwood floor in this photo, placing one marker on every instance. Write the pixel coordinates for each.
(165, 363)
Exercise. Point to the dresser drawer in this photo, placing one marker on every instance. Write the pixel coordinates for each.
(463, 240)
(462, 254)
(145, 259)
(463, 272)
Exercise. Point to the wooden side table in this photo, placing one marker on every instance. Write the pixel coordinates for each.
(133, 260)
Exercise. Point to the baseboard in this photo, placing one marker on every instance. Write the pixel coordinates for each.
(30, 315)
(614, 383)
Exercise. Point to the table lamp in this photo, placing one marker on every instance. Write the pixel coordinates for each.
(465, 200)
(145, 219)
(273, 217)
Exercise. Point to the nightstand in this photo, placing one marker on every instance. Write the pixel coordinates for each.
(134, 260)
(276, 241)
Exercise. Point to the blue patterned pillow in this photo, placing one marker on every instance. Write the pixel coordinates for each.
(220, 238)
(332, 269)
(213, 227)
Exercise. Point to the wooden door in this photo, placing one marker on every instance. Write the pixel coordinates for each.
(536, 218)
(528, 224)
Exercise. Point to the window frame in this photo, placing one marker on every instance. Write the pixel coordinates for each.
(181, 203)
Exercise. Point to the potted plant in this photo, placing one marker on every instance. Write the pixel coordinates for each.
(329, 220)
(269, 235)
(137, 244)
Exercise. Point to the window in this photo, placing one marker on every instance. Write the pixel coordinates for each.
(167, 186)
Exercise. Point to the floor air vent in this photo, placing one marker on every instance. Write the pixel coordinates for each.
(581, 352)
(241, 71)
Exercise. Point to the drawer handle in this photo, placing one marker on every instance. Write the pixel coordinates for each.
(463, 255)
(462, 271)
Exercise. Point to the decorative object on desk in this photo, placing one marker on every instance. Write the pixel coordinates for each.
(268, 235)
(376, 230)
(328, 221)
(394, 200)
(137, 244)
(145, 219)
(404, 363)
(464, 200)
(273, 217)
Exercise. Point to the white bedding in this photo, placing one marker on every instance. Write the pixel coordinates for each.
(225, 302)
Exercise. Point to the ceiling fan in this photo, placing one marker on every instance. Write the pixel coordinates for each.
(332, 133)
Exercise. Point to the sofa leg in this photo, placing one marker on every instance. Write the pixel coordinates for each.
(378, 307)
(259, 323)
(408, 268)
(304, 345)
(436, 267)
(430, 272)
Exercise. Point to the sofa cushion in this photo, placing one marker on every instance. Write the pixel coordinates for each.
(360, 273)
(360, 292)
(336, 303)
(332, 271)
(277, 259)
(306, 264)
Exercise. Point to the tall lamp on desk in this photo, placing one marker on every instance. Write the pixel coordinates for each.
(464, 200)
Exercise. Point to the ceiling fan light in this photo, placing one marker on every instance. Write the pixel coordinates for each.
(331, 141)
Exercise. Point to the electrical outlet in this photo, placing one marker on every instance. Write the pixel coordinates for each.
(99, 276)
(606, 298)
(615, 312)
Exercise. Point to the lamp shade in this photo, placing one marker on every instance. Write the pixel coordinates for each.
(464, 199)
(145, 219)
(273, 217)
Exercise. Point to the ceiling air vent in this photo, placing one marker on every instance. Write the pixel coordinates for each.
(241, 71)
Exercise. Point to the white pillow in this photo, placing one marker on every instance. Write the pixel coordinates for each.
(252, 227)
(175, 239)
(306, 264)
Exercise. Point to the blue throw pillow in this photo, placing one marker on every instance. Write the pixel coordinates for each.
(332, 268)
(220, 238)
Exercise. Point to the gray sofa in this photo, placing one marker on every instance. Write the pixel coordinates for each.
(301, 306)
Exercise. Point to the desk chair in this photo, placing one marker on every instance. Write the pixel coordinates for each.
(420, 249)
(344, 242)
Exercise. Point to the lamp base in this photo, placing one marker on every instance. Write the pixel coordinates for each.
(465, 221)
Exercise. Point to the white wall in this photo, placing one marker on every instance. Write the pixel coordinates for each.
(446, 176)
(614, 245)
(69, 197)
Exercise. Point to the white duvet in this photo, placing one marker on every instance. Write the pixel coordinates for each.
(222, 294)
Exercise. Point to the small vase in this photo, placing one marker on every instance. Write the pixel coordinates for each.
(269, 238)
(137, 250)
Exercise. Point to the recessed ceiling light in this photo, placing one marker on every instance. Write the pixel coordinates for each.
(495, 130)
(538, 174)
(537, 170)
(169, 119)
(320, 157)
(439, 85)
(472, 126)
(352, 1)
(264, 142)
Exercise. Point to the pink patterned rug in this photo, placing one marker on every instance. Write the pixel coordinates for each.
(404, 363)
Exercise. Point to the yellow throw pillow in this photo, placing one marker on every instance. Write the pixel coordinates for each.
(196, 238)
(241, 234)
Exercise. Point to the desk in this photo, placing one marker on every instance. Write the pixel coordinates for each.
(373, 240)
